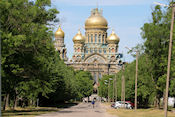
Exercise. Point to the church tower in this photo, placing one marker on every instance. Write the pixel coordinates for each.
(59, 44)
(96, 33)
(113, 41)
(78, 40)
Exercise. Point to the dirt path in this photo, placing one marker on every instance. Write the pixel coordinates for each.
(81, 110)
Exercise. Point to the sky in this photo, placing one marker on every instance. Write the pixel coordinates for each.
(126, 17)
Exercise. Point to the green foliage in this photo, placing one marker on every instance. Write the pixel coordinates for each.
(152, 64)
(156, 35)
(106, 84)
(31, 67)
(28, 53)
(84, 84)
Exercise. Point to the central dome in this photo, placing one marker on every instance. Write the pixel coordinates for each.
(96, 20)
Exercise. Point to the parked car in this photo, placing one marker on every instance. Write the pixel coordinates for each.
(122, 104)
(128, 105)
(132, 104)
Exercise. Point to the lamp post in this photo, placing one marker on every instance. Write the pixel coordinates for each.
(108, 82)
(169, 61)
(136, 80)
(137, 54)
(123, 83)
(169, 54)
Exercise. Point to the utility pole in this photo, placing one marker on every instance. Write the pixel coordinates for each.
(136, 79)
(115, 87)
(169, 59)
(123, 82)
(137, 54)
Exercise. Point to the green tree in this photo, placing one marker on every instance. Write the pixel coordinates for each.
(84, 84)
(156, 36)
(105, 88)
(28, 53)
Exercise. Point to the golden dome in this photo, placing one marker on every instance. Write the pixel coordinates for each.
(59, 33)
(96, 20)
(113, 38)
(79, 38)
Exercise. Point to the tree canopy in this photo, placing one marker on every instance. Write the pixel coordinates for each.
(31, 67)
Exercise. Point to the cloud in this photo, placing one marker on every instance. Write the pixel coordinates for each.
(104, 2)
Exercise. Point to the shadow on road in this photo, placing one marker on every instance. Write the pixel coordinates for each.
(62, 105)
(31, 112)
(36, 111)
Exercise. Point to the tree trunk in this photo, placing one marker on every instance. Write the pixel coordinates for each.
(30, 102)
(163, 99)
(7, 101)
(4, 102)
(157, 102)
(15, 102)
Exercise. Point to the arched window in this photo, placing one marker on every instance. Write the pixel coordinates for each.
(99, 50)
(91, 50)
(113, 50)
(95, 38)
(78, 50)
(103, 39)
(99, 38)
(91, 38)
(104, 51)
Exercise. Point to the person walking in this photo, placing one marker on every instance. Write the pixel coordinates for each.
(93, 103)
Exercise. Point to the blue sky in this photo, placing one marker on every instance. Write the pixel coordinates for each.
(126, 17)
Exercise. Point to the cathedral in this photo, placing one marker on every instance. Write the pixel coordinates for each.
(95, 51)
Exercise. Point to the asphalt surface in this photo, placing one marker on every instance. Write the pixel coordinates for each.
(81, 110)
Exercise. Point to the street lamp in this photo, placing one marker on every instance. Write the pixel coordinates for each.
(169, 55)
(123, 82)
(108, 82)
(137, 53)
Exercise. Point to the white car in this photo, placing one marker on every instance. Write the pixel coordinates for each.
(122, 104)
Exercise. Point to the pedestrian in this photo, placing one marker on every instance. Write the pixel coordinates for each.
(93, 103)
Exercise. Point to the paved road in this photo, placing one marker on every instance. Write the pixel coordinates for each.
(81, 110)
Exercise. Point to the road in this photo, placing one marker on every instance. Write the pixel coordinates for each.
(81, 110)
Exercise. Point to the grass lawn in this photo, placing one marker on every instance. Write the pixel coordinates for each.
(139, 113)
(28, 112)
